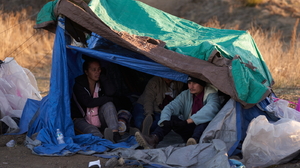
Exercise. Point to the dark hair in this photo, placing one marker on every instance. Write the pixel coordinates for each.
(199, 81)
(87, 63)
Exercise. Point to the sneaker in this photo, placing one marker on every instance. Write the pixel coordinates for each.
(133, 130)
(108, 134)
(116, 137)
(112, 162)
(147, 123)
(191, 141)
(1, 132)
(148, 142)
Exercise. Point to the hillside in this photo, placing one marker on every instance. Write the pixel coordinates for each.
(271, 14)
(280, 15)
(273, 25)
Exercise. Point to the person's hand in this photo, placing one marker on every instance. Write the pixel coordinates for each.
(180, 123)
(167, 124)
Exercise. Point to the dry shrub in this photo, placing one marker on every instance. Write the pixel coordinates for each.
(280, 57)
(253, 2)
(29, 47)
(214, 23)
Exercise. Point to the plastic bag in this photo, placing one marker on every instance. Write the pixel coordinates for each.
(17, 84)
(12, 125)
(269, 144)
(282, 110)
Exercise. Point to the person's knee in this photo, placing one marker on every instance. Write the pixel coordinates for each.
(108, 108)
(109, 105)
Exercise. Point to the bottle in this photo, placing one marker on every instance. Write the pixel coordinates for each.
(59, 136)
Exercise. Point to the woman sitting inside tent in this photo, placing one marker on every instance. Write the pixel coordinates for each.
(92, 107)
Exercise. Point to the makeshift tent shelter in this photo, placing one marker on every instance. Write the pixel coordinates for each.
(130, 34)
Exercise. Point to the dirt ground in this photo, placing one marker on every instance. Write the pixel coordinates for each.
(20, 156)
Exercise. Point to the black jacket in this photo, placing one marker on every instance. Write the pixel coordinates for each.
(85, 97)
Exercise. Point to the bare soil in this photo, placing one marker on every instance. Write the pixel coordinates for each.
(21, 157)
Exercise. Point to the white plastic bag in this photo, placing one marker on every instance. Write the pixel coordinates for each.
(281, 109)
(269, 144)
(17, 84)
(12, 125)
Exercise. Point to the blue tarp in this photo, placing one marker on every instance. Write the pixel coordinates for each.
(44, 117)
(54, 110)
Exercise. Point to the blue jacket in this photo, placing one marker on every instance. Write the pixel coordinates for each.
(181, 106)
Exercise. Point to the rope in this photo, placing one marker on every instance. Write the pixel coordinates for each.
(19, 23)
(22, 44)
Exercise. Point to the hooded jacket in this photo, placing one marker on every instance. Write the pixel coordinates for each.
(85, 98)
(181, 106)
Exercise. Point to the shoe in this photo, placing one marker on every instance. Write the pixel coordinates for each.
(191, 141)
(148, 142)
(133, 130)
(147, 123)
(108, 134)
(116, 137)
(1, 132)
(112, 162)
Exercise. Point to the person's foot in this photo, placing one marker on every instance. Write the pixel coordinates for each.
(108, 134)
(147, 123)
(191, 141)
(133, 130)
(116, 137)
(148, 142)
(112, 162)
(1, 132)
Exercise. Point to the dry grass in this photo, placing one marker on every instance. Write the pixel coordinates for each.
(280, 57)
(253, 2)
(32, 48)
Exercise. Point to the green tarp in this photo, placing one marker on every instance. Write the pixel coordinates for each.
(188, 38)
(233, 62)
